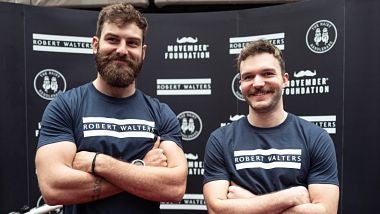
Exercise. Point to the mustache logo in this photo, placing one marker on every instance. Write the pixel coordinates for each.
(187, 40)
(306, 73)
(191, 156)
(236, 117)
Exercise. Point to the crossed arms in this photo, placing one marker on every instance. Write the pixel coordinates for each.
(224, 197)
(64, 175)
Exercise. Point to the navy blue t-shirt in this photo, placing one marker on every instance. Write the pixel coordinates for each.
(264, 160)
(123, 128)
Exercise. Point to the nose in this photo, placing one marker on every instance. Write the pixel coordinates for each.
(258, 81)
(122, 49)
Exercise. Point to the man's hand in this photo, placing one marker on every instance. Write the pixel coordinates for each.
(237, 192)
(83, 161)
(156, 156)
(299, 194)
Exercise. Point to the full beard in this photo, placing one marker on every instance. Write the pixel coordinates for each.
(115, 74)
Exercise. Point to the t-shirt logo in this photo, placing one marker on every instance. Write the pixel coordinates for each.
(119, 128)
(268, 159)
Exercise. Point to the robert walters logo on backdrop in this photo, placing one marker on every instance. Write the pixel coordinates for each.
(48, 83)
(189, 202)
(62, 44)
(307, 82)
(191, 125)
(237, 43)
(321, 36)
(327, 122)
(187, 48)
(184, 86)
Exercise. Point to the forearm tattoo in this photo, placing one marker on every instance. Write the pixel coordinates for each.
(97, 188)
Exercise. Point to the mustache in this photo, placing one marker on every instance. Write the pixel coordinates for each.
(306, 73)
(236, 117)
(262, 91)
(115, 56)
(187, 40)
(191, 156)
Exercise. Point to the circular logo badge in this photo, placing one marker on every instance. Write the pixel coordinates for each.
(321, 36)
(235, 88)
(49, 83)
(191, 125)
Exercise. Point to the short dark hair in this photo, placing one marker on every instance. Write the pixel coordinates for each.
(258, 47)
(121, 13)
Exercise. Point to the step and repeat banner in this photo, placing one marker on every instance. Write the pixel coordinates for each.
(190, 65)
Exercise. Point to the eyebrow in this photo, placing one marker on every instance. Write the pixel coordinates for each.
(128, 38)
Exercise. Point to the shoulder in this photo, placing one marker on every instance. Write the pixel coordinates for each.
(231, 128)
(152, 102)
(305, 124)
(74, 93)
(310, 131)
(68, 100)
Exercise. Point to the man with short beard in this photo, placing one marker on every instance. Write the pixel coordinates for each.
(270, 161)
(106, 147)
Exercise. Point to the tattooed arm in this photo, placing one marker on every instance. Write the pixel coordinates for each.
(60, 183)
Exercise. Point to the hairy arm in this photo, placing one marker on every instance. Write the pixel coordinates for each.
(60, 183)
(324, 199)
(222, 198)
(149, 182)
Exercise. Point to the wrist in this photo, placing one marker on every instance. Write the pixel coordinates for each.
(93, 164)
(138, 162)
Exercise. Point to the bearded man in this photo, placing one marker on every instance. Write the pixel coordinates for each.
(106, 147)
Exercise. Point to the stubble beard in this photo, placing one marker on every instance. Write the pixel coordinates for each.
(115, 74)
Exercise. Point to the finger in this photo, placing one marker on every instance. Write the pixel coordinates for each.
(164, 157)
(157, 143)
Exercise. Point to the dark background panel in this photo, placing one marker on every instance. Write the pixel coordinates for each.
(352, 67)
(361, 168)
(13, 159)
(209, 29)
(76, 68)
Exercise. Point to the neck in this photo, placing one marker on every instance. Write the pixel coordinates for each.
(111, 91)
(267, 119)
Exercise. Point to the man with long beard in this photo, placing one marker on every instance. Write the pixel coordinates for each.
(106, 147)
(270, 161)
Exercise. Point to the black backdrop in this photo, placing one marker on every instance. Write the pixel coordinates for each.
(190, 66)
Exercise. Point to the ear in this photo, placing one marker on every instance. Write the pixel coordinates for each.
(95, 44)
(144, 51)
(240, 87)
(285, 79)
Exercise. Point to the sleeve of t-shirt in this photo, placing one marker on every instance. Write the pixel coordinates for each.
(214, 165)
(323, 169)
(169, 128)
(56, 125)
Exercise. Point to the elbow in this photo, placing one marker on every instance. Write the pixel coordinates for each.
(213, 210)
(51, 198)
(51, 195)
(177, 193)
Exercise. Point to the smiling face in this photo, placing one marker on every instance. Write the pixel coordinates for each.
(262, 82)
(119, 53)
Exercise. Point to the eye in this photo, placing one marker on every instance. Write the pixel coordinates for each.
(269, 73)
(112, 40)
(247, 78)
(134, 43)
